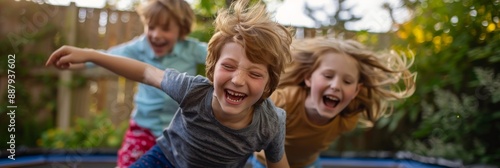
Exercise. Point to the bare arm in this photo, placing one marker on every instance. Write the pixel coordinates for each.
(78, 66)
(138, 71)
(283, 163)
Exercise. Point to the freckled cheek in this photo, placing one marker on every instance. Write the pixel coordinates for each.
(258, 86)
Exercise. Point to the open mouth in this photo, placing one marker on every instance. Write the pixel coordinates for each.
(159, 44)
(234, 97)
(331, 101)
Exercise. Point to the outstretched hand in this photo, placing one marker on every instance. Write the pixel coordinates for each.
(63, 57)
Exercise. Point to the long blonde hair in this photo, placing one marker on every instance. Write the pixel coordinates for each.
(385, 76)
(265, 41)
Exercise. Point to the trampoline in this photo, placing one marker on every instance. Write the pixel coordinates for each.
(59, 158)
(107, 159)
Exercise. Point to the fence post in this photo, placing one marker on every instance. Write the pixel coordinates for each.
(64, 90)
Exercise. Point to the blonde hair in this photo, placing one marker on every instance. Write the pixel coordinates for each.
(265, 42)
(380, 74)
(159, 12)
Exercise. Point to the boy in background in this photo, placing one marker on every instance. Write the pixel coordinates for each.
(164, 44)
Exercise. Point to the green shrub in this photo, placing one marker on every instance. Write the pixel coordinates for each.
(461, 127)
(97, 131)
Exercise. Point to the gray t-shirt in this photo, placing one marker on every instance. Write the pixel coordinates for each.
(196, 139)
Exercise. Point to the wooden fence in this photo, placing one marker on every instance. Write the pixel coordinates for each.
(83, 27)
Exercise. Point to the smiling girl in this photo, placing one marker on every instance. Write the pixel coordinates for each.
(329, 84)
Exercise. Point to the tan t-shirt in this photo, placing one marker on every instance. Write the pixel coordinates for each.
(304, 140)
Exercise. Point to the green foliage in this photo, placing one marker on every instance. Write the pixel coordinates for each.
(202, 33)
(459, 126)
(31, 117)
(93, 132)
(457, 60)
(208, 8)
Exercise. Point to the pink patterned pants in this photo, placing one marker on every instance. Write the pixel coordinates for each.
(136, 142)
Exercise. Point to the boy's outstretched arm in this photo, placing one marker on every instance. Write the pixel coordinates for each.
(77, 66)
(126, 67)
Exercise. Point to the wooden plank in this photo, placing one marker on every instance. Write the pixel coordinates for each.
(64, 92)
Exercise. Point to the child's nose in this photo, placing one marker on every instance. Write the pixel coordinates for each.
(154, 33)
(238, 78)
(336, 84)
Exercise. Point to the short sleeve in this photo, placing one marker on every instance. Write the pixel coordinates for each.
(276, 148)
(176, 84)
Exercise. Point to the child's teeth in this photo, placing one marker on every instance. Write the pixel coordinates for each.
(332, 98)
(235, 94)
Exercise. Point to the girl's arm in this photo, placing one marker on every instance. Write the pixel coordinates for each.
(282, 163)
(138, 71)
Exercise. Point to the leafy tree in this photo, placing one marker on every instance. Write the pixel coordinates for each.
(457, 99)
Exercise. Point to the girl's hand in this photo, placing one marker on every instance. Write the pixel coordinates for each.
(63, 57)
